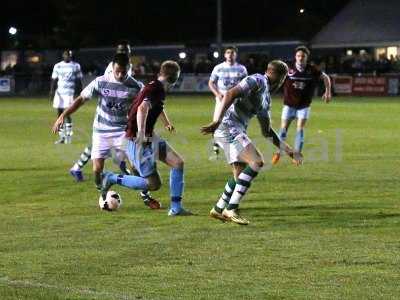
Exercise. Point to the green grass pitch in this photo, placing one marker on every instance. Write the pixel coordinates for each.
(326, 230)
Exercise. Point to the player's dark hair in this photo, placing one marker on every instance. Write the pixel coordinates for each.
(67, 55)
(303, 49)
(69, 52)
(171, 70)
(121, 59)
(123, 42)
(123, 46)
(233, 48)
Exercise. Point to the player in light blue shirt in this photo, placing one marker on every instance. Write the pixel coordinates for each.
(251, 97)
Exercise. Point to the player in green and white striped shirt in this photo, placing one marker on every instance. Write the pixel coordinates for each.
(67, 75)
(251, 97)
(224, 77)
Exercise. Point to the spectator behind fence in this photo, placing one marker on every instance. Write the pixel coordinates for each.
(203, 66)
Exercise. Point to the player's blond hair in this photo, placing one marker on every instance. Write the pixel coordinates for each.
(170, 69)
(279, 67)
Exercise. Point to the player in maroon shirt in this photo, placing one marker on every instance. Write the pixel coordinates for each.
(145, 147)
(298, 91)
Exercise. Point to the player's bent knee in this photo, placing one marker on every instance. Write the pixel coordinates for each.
(180, 164)
(256, 165)
(177, 163)
(154, 184)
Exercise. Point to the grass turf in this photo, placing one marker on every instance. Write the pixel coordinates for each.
(325, 230)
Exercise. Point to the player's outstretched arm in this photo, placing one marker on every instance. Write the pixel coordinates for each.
(267, 131)
(167, 123)
(70, 110)
(327, 96)
(270, 134)
(220, 109)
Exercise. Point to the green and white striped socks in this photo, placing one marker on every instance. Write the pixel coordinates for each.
(83, 159)
(226, 195)
(243, 183)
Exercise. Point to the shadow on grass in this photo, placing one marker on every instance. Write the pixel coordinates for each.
(27, 168)
(350, 216)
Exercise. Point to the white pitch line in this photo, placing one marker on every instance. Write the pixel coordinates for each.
(26, 283)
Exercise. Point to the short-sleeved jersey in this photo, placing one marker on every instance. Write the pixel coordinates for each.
(109, 69)
(226, 76)
(299, 86)
(67, 74)
(255, 100)
(154, 94)
(114, 101)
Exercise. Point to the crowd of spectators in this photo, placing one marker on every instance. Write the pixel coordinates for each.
(255, 63)
(363, 63)
(199, 65)
(30, 77)
(203, 65)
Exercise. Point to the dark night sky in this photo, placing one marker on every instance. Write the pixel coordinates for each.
(54, 24)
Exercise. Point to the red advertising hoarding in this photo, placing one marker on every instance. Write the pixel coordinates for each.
(370, 86)
(342, 85)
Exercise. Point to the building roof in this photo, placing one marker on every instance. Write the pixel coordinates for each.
(362, 23)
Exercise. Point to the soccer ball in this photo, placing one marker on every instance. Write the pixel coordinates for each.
(113, 201)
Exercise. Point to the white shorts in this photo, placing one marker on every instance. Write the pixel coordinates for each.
(289, 113)
(62, 101)
(103, 143)
(233, 145)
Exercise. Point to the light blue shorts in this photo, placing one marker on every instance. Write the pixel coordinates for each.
(143, 157)
(289, 113)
